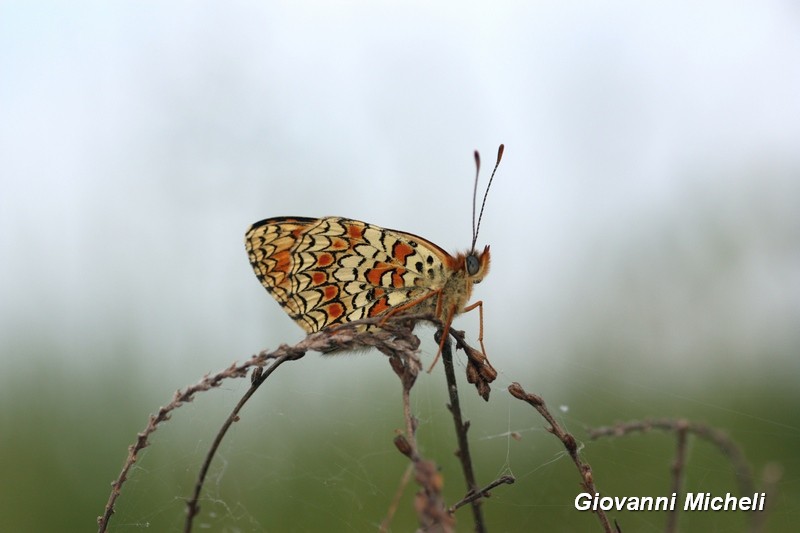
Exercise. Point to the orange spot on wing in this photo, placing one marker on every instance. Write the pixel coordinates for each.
(334, 310)
(379, 307)
(402, 251)
(397, 279)
(374, 275)
(325, 260)
(330, 292)
(283, 261)
(318, 278)
(355, 232)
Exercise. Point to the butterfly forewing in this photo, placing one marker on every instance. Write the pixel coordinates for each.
(334, 270)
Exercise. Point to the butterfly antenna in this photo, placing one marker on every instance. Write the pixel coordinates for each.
(477, 228)
(475, 196)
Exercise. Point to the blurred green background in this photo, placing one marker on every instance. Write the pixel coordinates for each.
(644, 227)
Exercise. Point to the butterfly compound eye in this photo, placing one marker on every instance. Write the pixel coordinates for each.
(473, 265)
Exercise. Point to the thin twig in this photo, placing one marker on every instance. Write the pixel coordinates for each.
(462, 427)
(741, 468)
(770, 479)
(482, 493)
(259, 377)
(179, 398)
(587, 479)
(678, 472)
(401, 487)
(429, 503)
(726, 445)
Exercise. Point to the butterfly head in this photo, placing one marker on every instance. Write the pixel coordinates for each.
(476, 265)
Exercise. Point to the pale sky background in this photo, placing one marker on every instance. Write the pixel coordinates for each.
(648, 198)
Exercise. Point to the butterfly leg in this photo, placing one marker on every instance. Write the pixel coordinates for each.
(437, 312)
(445, 333)
(479, 305)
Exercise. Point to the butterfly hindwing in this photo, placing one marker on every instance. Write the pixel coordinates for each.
(334, 270)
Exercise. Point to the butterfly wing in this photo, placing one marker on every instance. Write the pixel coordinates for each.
(334, 270)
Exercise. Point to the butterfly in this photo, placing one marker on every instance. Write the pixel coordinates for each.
(334, 270)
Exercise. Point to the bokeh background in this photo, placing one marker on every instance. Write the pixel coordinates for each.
(644, 225)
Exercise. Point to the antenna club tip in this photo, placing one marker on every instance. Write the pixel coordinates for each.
(500, 151)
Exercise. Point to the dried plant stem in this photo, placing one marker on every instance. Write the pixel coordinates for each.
(482, 493)
(180, 397)
(428, 502)
(770, 479)
(678, 470)
(587, 479)
(741, 468)
(682, 429)
(401, 487)
(393, 337)
(462, 427)
(192, 507)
